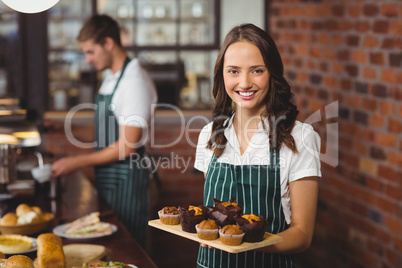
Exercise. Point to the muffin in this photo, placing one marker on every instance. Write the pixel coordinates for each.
(254, 227)
(169, 215)
(190, 216)
(231, 235)
(224, 212)
(207, 229)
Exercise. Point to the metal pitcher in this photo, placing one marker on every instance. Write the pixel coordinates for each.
(7, 163)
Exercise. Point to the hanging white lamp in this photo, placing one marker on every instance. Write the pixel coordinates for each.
(30, 6)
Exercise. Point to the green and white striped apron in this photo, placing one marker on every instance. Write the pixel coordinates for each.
(257, 188)
(124, 187)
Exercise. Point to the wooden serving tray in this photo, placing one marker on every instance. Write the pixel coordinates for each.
(269, 239)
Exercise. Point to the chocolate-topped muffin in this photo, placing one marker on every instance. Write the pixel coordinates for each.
(254, 227)
(224, 212)
(190, 216)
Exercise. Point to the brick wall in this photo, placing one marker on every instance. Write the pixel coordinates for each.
(350, 52)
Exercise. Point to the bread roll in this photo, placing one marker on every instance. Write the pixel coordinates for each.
(30, 217)
(50, 251)
(2, 256)
(22, 209)
(37, 210)
(46, 216)
(19, 261)
(9, 219)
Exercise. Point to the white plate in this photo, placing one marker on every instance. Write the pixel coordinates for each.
(60, 230)
(32, 249)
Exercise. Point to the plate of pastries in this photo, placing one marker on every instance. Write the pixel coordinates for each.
(223, 226)
(51, 253)
(26, 220)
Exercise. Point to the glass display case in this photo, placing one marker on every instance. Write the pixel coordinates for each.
(71, 80)
(178, 35)
(176, 40)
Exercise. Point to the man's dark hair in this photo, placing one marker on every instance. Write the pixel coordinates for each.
(97, 28)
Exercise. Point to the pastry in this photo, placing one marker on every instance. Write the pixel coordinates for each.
(207, 229)
(169, 215)
(37, 210)
(224, 212)
(29, 217)
(254, 227)
(25, 214)
(19, 261)
(190, 216)
(14, 243)
(9, 219)
(50, 251)
(231, 235)
(23, 209)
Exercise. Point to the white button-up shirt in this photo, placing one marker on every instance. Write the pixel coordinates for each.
(293, 166)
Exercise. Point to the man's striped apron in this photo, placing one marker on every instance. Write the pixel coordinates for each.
(124, 187)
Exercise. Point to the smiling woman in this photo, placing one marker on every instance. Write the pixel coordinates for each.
(29, 6)
(254, 119)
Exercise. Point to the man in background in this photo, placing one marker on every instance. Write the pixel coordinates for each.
(122, 116)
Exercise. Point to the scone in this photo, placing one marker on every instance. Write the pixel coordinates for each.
(190, 216)
(224, 212)
(207, 229)
(169, 215)
(231, 235)
(254, 227)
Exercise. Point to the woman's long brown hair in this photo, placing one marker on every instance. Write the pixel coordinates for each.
(280, 111)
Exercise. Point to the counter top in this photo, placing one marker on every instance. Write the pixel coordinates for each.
(76, 197)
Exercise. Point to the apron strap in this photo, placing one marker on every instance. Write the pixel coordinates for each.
(127, 60)
(273, 157)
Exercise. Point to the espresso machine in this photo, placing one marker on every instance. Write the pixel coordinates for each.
(16, 133)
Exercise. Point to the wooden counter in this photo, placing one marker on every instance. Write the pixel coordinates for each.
(76, 197)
